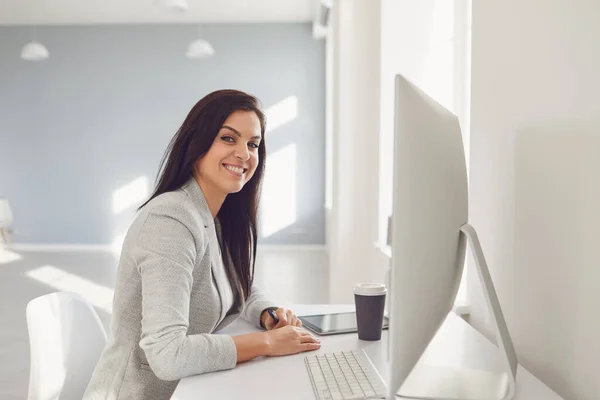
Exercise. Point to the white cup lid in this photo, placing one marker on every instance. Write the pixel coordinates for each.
(370, 289)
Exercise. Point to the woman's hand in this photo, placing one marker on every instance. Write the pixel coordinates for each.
(286, 317)
(290, 340)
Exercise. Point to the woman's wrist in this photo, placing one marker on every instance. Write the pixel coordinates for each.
(267, 344)
(252, 345)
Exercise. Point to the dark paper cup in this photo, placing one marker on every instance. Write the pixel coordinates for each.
(370, 303)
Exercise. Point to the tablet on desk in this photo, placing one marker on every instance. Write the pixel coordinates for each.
(331, 324)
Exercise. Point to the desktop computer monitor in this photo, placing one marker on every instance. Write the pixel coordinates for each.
(429, 235)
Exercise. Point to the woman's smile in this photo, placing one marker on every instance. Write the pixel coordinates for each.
(235, 170)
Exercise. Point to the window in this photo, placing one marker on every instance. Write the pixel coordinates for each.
(429, 42)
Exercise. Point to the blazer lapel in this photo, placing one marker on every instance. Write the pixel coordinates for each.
(213, 232)
(195, 192)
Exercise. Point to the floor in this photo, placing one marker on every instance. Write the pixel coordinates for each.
(288, 276)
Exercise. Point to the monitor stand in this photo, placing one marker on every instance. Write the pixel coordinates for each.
(453, 383)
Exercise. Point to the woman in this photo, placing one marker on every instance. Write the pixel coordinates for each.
(187, 264)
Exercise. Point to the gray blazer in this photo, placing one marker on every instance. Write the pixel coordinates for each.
(167, 302)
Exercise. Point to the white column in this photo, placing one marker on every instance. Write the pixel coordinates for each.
(354, 53)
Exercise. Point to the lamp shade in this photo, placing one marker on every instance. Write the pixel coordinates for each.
(199, 48)
(6, 217)
(34, 51)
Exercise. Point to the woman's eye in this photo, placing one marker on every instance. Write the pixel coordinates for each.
(254, 145)
(227, 139)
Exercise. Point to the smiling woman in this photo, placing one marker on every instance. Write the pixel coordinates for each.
(225, 127)
(233, 157)
(187, 264)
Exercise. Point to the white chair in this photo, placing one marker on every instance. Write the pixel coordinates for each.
(66, 339)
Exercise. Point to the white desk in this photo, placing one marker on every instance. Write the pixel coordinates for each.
(287, 377)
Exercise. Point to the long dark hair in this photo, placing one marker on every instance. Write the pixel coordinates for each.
(192, 141)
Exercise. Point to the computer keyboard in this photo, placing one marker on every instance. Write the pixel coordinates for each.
(343, 376)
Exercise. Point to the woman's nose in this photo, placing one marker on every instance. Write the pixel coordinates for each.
(242, 153)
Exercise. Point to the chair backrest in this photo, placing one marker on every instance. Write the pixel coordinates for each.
(66, 339)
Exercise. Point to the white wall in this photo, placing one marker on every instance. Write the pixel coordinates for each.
(535, 181)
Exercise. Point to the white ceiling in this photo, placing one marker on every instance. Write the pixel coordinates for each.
(77, 12)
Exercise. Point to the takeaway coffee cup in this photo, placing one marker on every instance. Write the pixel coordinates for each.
(370, 303)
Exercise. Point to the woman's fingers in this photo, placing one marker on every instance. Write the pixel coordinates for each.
(282, 314)
(309, 342)
(286, 317)
(307, 338)
(310, 346)
(293, 320)
(280, 324)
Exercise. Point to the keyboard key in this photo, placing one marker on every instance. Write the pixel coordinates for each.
(353, 397)
(325, 395)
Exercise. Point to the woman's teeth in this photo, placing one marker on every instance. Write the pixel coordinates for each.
(235, 169)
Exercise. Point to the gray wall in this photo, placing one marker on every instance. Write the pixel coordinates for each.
(101, 111)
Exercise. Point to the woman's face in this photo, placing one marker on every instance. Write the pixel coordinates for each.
(233, 156)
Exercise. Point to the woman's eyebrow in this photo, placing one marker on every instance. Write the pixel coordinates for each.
(237, 132)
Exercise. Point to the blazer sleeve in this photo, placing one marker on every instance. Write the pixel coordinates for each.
(257, 302)
(165, 255)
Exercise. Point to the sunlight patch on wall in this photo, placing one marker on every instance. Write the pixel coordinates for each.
(281, 113)
(98, 295)
(278, 199)
(132, 194)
